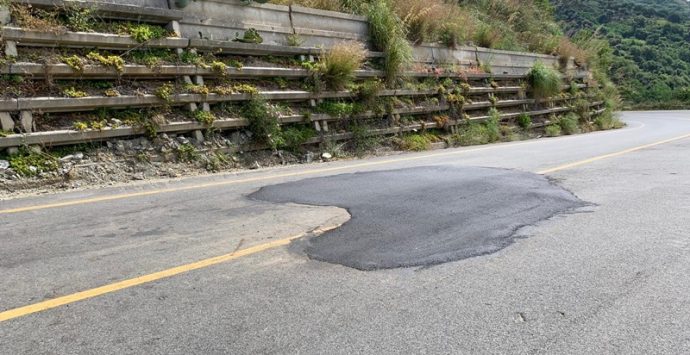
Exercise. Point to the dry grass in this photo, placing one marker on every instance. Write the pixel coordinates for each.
(37, 19)
(339, 63)
(567, 49)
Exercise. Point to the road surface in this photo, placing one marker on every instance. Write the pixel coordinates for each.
(196, 266)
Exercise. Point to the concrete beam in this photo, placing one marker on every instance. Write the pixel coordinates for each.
(127, 12)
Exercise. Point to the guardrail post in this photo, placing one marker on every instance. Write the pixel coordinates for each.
(174, 27)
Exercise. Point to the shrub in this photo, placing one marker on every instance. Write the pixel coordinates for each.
(417, 142)
(524, 121)
(552, 130)
(568, 124)
(493, 125)
(545, 82)
(339, 63)
(293, 137)
(472, 134)
(80, 126)
(263, 121)
(388, 34)
(607, 121)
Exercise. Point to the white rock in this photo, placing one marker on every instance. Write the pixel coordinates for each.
(326, 156)
(4, 164)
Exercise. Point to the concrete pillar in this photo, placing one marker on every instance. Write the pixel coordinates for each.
(205, 107)
(11, 49)
(199, 136)
(4, 15)
(26, 121)
(174, 27)
(6, 122)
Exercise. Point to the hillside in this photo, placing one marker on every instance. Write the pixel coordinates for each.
(651, 62)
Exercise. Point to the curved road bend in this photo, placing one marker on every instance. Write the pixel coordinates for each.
(610, 278)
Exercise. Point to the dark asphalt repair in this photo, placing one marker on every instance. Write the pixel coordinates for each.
(424, 215)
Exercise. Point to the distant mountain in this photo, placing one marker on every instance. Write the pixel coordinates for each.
(650, 41)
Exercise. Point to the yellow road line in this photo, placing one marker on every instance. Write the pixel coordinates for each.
(117, 286)
(121, 285)
(611, 155)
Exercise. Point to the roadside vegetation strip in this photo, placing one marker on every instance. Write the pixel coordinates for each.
(124, 284)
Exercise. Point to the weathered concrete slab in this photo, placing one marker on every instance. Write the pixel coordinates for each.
(140, 11)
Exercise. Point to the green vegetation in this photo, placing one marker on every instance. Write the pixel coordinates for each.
(569, 124)
(648, 57)
(32, 163)
(545, 82)
(165, 92)
(294, 136)
(74, 93)
(110, 61)
(204, 117)
(417, 141)
(187, 153)
(74, 62)
(263, 121)
(524, 121)
(142, 32)
(388, 34)
(552, 130)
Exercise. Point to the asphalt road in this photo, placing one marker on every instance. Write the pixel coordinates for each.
(612, 278)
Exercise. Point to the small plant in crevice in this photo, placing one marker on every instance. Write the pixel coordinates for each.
(80, 126)
(98, 125)
(111, 92)
(165, 92)
(111, 61)
(197, 89)
(219, 68)
(204, 117)
(142, 32)
(71, 92)
(294, 40)
(74, 62)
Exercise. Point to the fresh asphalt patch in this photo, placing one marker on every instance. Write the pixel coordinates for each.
(424, 215)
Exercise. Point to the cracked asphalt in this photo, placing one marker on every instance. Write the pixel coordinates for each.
(612, 278)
